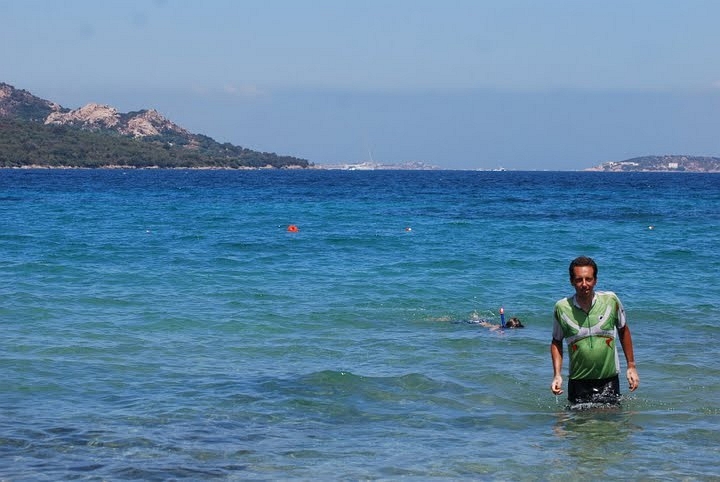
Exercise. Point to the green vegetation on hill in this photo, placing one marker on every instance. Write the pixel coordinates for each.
(24, 143)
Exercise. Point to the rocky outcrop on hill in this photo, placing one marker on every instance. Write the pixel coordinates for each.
(149, 123)
(91, 116)
(97, 117)
(22, 105)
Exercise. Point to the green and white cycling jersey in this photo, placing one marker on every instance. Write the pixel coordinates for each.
(590, 337)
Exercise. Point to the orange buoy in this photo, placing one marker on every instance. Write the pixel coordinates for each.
(293, 229)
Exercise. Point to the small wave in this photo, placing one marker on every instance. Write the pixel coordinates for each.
(676, 253)
(347, 380)
(339, 387)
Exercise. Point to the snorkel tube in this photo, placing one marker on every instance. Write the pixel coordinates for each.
(502, 317)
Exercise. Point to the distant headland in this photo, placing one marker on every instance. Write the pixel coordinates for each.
(35, 132)
(668, 163)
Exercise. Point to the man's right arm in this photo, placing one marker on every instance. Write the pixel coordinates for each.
(556, 353)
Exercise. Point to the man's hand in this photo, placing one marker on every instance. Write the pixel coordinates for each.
(556, 385)
(633, 379)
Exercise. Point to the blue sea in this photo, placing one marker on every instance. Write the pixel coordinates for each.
(166, 325)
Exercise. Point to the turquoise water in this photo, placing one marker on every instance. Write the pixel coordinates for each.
(165, 324)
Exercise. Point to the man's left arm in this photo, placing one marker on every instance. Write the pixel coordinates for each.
(627, 346)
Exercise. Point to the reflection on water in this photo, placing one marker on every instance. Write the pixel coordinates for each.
(594, 439)
(604, 423)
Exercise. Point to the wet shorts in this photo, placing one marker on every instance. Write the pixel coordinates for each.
(605, 390)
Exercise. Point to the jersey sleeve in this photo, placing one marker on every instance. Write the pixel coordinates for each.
(557, 332)
(621, 321)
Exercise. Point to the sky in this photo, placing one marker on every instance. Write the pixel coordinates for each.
(459, 84)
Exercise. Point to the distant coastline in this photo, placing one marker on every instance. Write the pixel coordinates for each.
(667, 163)
(610, 167)
(39, 134)
(377, 166)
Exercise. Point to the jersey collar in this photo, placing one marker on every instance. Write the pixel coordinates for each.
(577, 305)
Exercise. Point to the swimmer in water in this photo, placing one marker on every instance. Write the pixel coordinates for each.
(511, 323)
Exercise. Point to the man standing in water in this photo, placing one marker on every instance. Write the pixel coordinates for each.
(591, 322)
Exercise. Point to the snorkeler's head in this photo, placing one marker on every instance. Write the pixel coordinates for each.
(514, 323)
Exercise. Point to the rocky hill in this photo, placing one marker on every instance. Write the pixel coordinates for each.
(667, 163)
(98, 117)
(38, 132)
(22, 105)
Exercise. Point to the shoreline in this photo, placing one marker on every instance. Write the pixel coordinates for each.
(116, 167)
(322, 168)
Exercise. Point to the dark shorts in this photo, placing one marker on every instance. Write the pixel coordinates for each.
(605, 390)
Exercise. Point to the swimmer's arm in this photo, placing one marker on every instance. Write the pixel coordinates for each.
(556, 353)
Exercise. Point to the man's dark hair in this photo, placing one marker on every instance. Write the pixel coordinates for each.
(583, 261)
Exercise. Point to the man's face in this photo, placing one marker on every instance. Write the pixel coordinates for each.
(583, 280)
